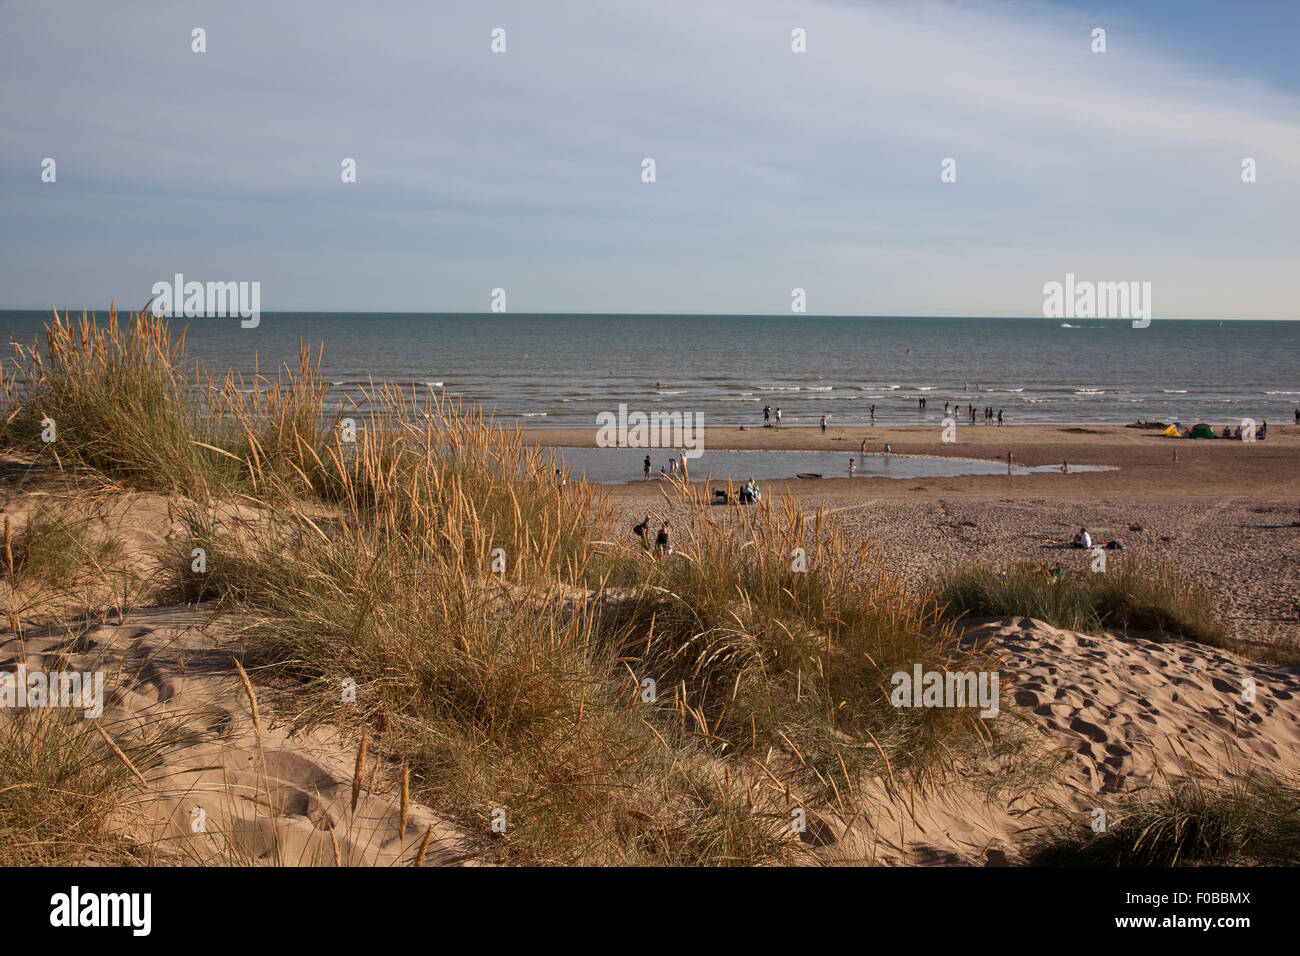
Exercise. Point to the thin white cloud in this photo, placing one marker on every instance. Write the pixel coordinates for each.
(525, 167)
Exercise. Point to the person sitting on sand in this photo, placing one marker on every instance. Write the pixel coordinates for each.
(1082, 539)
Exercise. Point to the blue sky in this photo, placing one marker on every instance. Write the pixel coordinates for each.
(775, 170)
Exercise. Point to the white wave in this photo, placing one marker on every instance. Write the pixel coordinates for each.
(532, 415)
(434, 384)
(820, 388)
(1174, 391)
(1089, 391)
(1067, 325)
(1282, 393)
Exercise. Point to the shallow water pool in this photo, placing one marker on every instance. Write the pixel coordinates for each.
(615, 465)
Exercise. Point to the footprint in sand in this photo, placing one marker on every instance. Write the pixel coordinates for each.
(1088, 729)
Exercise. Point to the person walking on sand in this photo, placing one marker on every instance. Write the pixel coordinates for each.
(823, 424)
(663, 547)
(873, 414)
(648, 463)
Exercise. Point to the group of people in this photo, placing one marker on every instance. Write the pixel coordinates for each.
(1260, 433)
(663, 542)
(990, 414)
(675, 468)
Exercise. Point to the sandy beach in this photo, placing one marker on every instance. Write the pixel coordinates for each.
(1223, 512)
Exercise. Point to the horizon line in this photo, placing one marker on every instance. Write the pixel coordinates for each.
(738, 315)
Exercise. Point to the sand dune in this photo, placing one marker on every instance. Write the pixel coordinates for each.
(221, 795)
(1125, 714)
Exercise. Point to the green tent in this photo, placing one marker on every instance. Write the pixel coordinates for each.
(1202, 431)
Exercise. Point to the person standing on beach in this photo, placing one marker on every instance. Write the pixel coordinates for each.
(778, 416)
(647, 467)
(767, 415)
(862, 449)
(873, 414)
(663, 547)
(823, 424)
(999, 418)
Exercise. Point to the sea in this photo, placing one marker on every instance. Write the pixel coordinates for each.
(556, 370)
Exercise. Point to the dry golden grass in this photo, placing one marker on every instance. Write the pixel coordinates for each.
(499, 643)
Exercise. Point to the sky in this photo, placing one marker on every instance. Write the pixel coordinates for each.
(523, 170)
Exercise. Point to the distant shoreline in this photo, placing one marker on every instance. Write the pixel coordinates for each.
(1144, 459)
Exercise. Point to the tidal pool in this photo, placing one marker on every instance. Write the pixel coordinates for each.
(614, 465)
